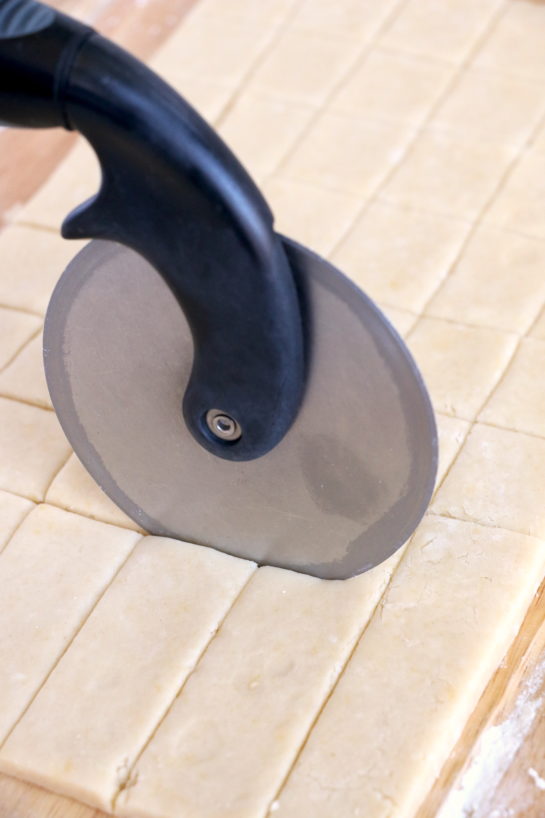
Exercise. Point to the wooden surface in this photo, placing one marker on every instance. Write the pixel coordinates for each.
(21, 800)
(514, 793)
(26, 159)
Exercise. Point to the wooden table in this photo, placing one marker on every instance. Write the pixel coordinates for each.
(26, 159)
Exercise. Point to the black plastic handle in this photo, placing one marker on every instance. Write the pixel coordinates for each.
(172, 191)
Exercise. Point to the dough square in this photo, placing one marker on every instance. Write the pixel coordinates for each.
(537, 330)
(515, 44)
(519, 400)
(402, 320)
(460, 364)
(446, 30)
(359, 19)
(451, 433)
(311, 215)
(497, 480)
(519, 204)
(76, 179)
(449, 615)
(16, 329)
(217, 49)
(31, 263)
(13, 510)
(399, 256)
(111, 688)
(347, 154)
(33, 448)
(266, 12)
(24, 378)
(260, 130)
(449, 176)
(75, 490)
(539, 141)
(497, 283)
(229, 739)
(303, 66)
(52, 572)
(391, 86)
(493, 107)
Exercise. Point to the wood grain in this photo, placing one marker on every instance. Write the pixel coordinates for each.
(516, 790)
(21, 800)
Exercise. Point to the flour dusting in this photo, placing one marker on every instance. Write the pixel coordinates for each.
(537, 779)
(495, 750)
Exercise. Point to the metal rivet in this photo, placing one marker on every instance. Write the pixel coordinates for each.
(223, 425)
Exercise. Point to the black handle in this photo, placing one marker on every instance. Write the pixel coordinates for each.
(37, 47)
(173, 192)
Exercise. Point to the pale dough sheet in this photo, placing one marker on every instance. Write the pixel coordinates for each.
(240, 721)
(74, 489)
(52, 573)
(13, 510)
(408, 145)
(127, 663)
(426, 654)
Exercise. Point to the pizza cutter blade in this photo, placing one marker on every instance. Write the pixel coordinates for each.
(342, 490)
(223, 385)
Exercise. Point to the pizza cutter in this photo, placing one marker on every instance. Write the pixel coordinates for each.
(223, 384)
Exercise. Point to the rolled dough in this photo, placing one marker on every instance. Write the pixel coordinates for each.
(127, 663)
(492, 107)
(32, 260)
(470, 174)
(447, 31)
(348, 154)
(312, 79)
(394, 87)
(24, 378)
(460, 364)
(487, 266)
(52, 572)
(242, 721)
(75, 490)
(33, 448)
(484, 484)
(75, 180)
(425, 656)
(248, 123)
(417, 241)
(518, 206)
(13, 510)
(516, 403)
(317, 215)
(16, 328)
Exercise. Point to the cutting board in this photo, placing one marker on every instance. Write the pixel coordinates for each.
(469, 784)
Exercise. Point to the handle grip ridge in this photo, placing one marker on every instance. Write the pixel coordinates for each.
(37, 47)
(21, 17)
